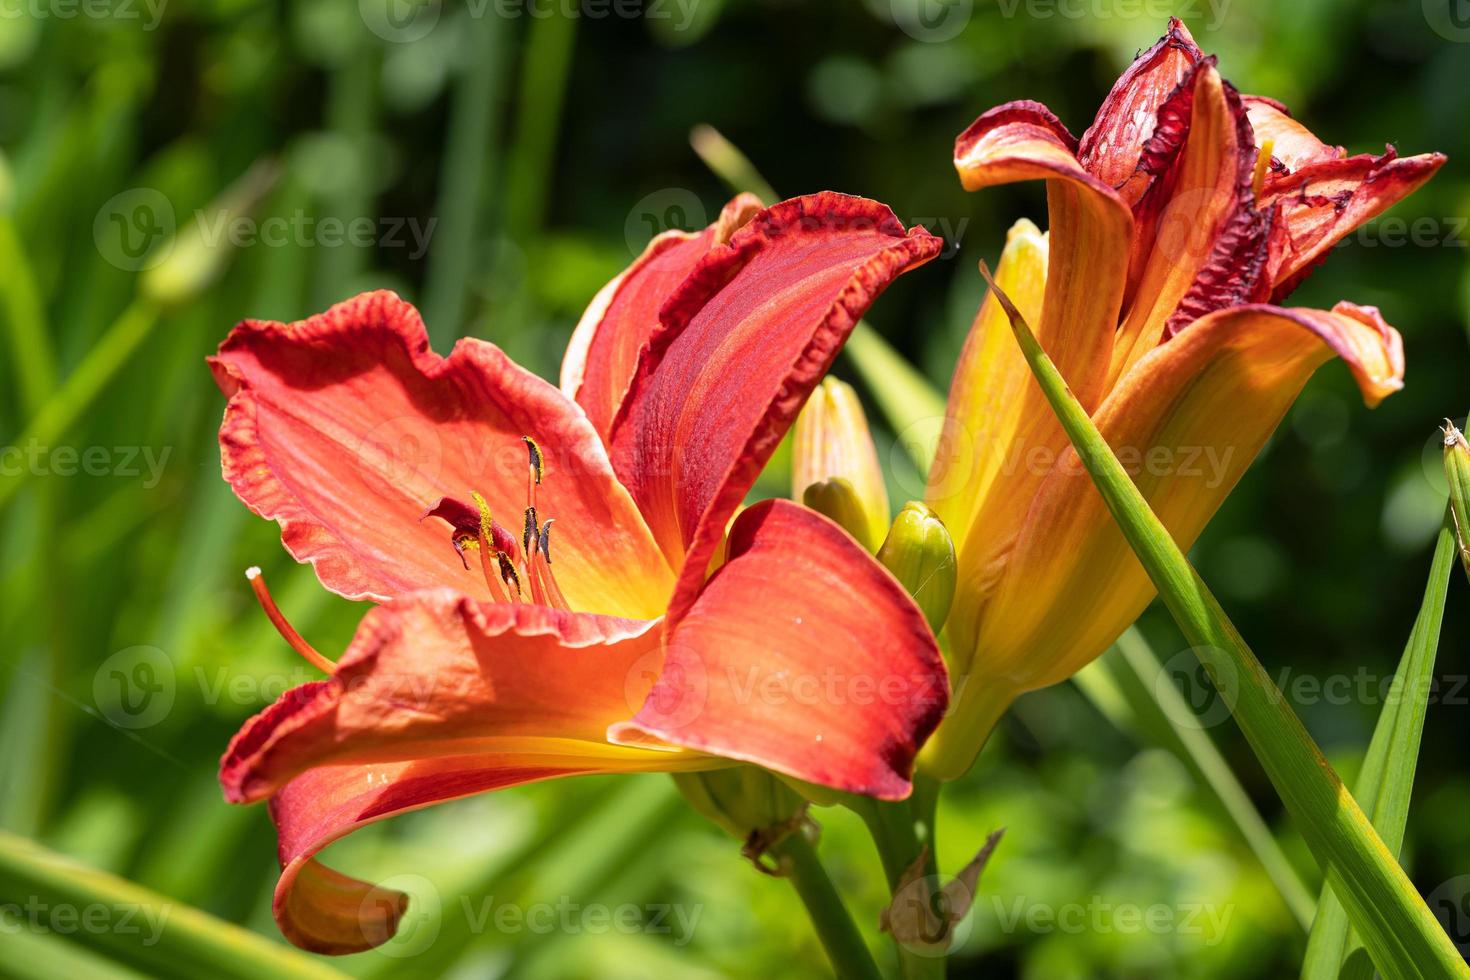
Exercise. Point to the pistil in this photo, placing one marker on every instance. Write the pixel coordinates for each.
(1263, 163)
(287, 631)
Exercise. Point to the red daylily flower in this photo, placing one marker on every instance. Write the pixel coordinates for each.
(605, 644)
(1184, 212)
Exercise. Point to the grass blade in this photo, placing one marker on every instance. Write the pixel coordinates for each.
(1383, 790)
(1159, 713)
(167, 937)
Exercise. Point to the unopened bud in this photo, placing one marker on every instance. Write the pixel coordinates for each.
(920, 554)
(1457, 472)
(748, 802)
(835, 498)
(831, 443)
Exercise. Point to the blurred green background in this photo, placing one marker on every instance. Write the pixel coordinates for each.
(500, 161)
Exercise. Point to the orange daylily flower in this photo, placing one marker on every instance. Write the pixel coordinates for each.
(496, 658)
(1182, 214)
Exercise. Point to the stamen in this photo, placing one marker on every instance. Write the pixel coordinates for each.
(529, 538)
(486, 524)
(535, 453)
(508, 574)
(1263, 163)
(548, 578)
(287, 631)
(531, 535)
(534, 472)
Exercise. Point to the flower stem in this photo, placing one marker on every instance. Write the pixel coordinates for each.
(839, 936)
(901, 831)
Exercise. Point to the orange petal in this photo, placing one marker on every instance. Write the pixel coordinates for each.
(603, 353)
(434, 674)
(1186, 421)
(989, 392)
(802, 655)
(345, 428)
(1090, 228)
(1321, 194)
(741, 344)
(325, 911)
(1087, 264)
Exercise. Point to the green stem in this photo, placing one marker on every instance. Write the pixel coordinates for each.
(839, 936)
(901, 831)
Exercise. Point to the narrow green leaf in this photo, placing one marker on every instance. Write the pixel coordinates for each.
(1400, 932)
(1383, 790)
(169, 938)
(83, 385)
(34, 356)
(546, 58)
(471, 162)
(729, 164)
(45, 955)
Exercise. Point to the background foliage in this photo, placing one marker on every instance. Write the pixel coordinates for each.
(534, 155)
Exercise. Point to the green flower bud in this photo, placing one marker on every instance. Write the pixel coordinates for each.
(920, 554)
(835, 498)
(750, 803)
